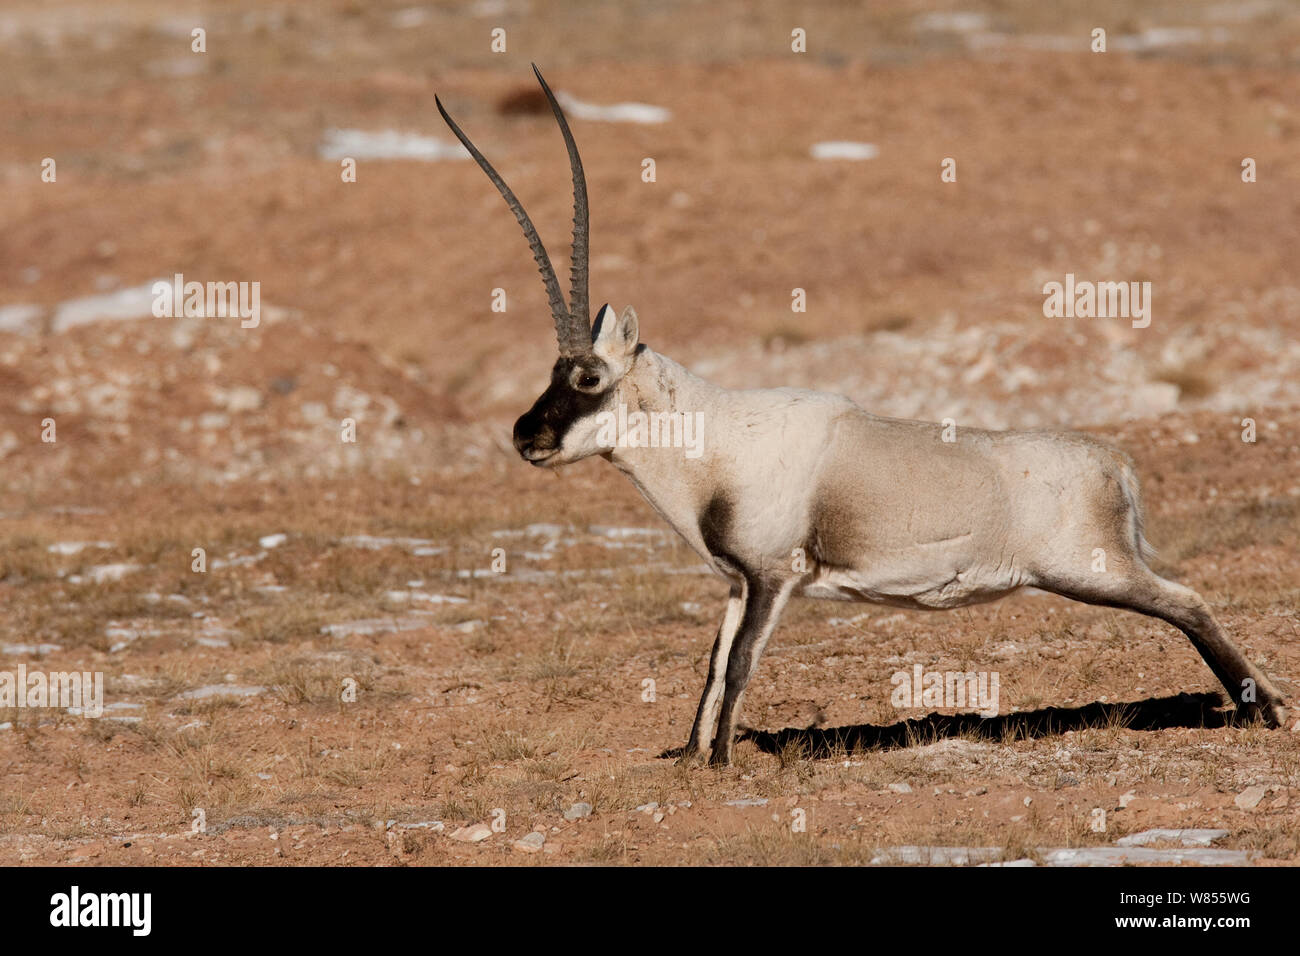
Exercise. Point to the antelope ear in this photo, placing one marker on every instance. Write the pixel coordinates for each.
(615, 339)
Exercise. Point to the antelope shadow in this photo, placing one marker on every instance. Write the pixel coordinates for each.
(1206, 710)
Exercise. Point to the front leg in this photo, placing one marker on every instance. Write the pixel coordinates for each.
(706, 715)
(762, 611)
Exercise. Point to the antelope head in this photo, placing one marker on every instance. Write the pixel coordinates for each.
(562, 425)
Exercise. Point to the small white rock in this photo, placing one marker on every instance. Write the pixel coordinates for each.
(531, 843)
(1249, 798)
(578, 811)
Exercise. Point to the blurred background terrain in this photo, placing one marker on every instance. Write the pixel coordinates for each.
(924, 299)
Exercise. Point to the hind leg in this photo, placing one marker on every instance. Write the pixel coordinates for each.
(1135, 587)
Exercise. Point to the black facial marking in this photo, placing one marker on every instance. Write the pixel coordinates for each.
(543, 427)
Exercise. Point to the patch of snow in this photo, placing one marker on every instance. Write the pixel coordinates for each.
(76, 547)
(113, 711)
(954, 21)
(1156, 38)
(222, 690)
(1062, 856)
(373, 626)
(23, 318)
(937, 855)
(531, 531)
(844, 149)
(1020, 862)
(605, 531)
(123, 637)
(376, 543)
(1185, 837)
(106, 573)
(642, 113)
(425, 596)
(1124, 856)
(387, 144)
(132, 303)
(30, 649)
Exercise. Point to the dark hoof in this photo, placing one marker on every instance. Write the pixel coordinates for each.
(720, 757)
(1270, 714)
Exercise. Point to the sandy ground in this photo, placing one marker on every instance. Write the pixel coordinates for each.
(367, 685)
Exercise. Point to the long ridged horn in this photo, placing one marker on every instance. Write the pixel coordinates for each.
(578, 302)
(572, 340)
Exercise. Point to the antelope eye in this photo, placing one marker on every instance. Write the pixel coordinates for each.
(588, 381)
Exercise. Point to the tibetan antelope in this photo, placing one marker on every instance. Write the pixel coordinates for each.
(804, 493)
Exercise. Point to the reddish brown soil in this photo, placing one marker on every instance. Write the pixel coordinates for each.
(924, 300)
